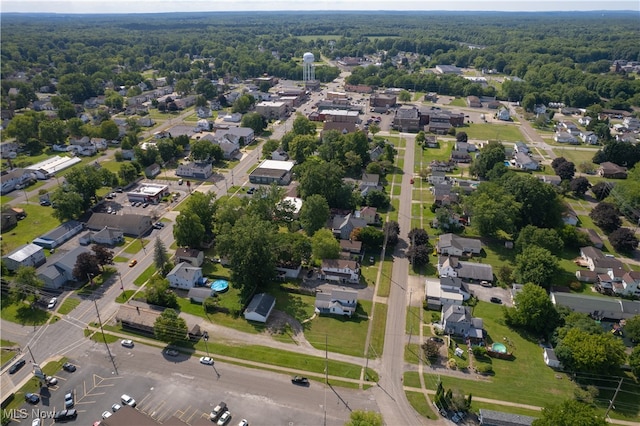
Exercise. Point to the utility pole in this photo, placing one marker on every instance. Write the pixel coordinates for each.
(606, 414)
(104, 339)
(31, 353)
(326, 375)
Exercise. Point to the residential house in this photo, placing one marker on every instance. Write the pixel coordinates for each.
(368, 214)
(279, 155)
(441, 166)
(595, 239)
(550, 179)
(139, 317)
(585, 121)
(612, 171)
(631, 123)
(521, 147)
(59, 235)
(474, 102)
(436, 296)
(342, 271)
(260, 308)
(59, 268)
(587, 276)
(196, 170)
(498, 418)
(191, 256)
(457, 321)
(351, 249)
(9, 219)
(342, 226)
(337, 302)
(503, 114)
(629, 285)
(452, 244)
(443, 194)
(598, 262)
(550, 358)
(288, 270)
(455, 285)
(460, 157)
(565, 137)
(569, 127)
(131, 224)
(524, 162)
(185, 276)
(238, 135)
(599, 308)
(430, 141)
(108, 236)
(15, 179)
(437, 178)
(539, 109)
(570, 217)
(152, 171)
(27, 255)
(450, 266)
(589, 138)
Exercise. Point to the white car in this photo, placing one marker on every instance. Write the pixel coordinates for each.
(243, 422)
(52, 303)
(224, 418)
(127, 343)
(106, 414)
(206, 360)
(36, 422)
(126, 399)
(116, 407)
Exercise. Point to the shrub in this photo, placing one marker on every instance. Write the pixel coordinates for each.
(575, 285)
(482, 368)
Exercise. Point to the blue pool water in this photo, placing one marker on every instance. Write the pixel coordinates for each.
(507, 164)
(220, 285)
(499, 347)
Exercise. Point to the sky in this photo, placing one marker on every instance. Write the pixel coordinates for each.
(160, 6)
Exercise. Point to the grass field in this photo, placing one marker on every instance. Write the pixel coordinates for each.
(22, 313)
(68, 305)
(575, 156)
(378, 328)
(424, 156)
(459, 102)
(37, 222)
(419, 403)
(499, 132)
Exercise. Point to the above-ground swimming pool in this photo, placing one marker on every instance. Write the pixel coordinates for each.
(220, 286)
(499, 347)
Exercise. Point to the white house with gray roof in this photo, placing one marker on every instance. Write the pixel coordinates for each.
(340, 270)
(450, 266)
(184, 276)
(28, 255)
(260, 308)
(455, 245)
(59, 235)
(338, 302)
(457, 320)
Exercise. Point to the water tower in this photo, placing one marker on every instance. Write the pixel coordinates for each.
(308, 72)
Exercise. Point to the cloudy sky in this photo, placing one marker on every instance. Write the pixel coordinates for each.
(146, 6)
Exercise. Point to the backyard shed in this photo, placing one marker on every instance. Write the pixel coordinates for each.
(260, 307)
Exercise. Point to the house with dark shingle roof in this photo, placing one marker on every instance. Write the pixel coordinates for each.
(455, 245)
(600, 308)
(338, 302)
(498, 418)
(457, 320)
(260, 307)
(612, 171)
(344, 271)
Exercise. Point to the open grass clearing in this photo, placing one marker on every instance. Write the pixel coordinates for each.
(144, 277)
(419, 402)
(476, 406)
(69, 304)
(412, 353)
(136, 246)
(23, 313)
(498, 132)
(413, 323)
(574, 155)
(424, 156)
(384, 286)
(38, 222)
(376, 343)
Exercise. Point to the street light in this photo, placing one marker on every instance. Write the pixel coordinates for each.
(205, 337)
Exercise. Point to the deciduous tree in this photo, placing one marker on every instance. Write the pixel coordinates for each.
(533, 311)
(157, 292)
(314, 214)
(536, 265)
(324, 245)
(103, 255)
(623, 240)
(599, 353)
(579, 186)
(569, 413)
(606, 216)
(170, 328)
(541, 237)
(68, 204)
(364, 418)
(188, 231)
(391, 231)
(634, 361)
(86, 266)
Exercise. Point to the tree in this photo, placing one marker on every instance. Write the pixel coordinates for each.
(188, 231)
(204, 207)
(109, 130)
(68, 204)
(569, 413)
(462, 137)
(160, 255)
(103, 255)
(157, 292)
(536, 265)
(599, 353)
(606, 216)
(170, 328)
(540, 204)
(323, 178)
(301, 147)
(52, 131)
(364, 418)
(404, 96)
(391, 230)
(269, 146)
(86, 266)
(431, 349)
(254, 121)
(623, 240)
(419, 255)
(303, 126)
(183, 86)
(292, 248)
(201, 150)
(127, 173)
(557, 162)
(324, 245)
(491, 155)
(418, 237)
(247, 244)
(492, 209)
(632, 329)
(579, 186)
(86, 180)
(314, 214)
(27, 283)
(566, 170)
(541, 237)
(371, 237)
(533, 311)
(376, 198)
(166, 149)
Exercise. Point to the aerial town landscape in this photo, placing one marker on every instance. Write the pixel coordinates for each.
(320, 218)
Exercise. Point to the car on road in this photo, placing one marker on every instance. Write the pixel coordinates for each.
(68, 367)
(171, 352)
(68, 400)
(243, 422)
(180, 181)
(116, 407)
(206, 360)
(495, 300)
(126, 399)
(127, 343)
(224, 418)
(107, 414)
(299, 380)
(133, 263)
(65, 415)
(51, 381)
(31, 398)
(17, 366)
(52, 303)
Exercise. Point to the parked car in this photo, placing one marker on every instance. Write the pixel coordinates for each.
(106, 414)
(68, 367)
(495, 300)
(31, 398)
(36, 422)
(17, 366)
(145, 205)
(115, 407)
(180, 181)
(206, 360)
(65, 415)
(68, 400)
(127, 343)
(485, 284)
(299, 380)
(45, 203)
(224, 418)
(217, 411)
(436, 339)
(51, 381)
(52, 303)
(243, 422)
(126, 399)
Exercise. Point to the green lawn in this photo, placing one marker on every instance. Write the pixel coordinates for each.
(68, 305)
(378, 327)
(499, 132)
(384, 286)
(412, 353)
(525, 379)
(148, 273)
(38, 221)
(136, 246)
(419, 403)
(575, 156)
(442, 153)
(22, 313)
(413, 320)
(6, 355)
(459, 102)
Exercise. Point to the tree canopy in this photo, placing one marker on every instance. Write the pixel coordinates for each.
(536, 265)
(569, 413)
(533, 311)
(170, 328)
(590, 352)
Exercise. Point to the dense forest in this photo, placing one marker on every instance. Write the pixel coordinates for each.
(562, 57)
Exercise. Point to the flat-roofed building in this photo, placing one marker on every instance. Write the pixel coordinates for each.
(272, 110)
(148, 193)
(270, 171)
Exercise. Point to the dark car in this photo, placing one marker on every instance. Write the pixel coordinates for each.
(17, 366)
(436, 339)
(68, 367)
(298, 380)
(65, 415)
(495, 300)
(32, 398)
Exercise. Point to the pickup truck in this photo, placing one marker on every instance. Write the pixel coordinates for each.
(217, 412)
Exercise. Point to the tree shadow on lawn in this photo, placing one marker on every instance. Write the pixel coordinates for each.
(28, 315)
